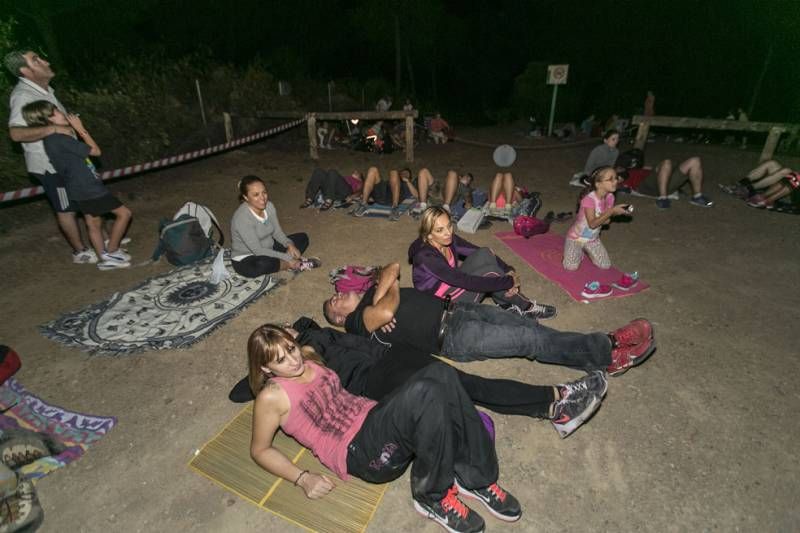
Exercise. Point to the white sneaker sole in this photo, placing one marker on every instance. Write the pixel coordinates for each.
(431, 516)
(108, 265)
(469, 494)
(596, 296)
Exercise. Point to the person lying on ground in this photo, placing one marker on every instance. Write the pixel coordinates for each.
(448, 266)
(373, 370)
(430, 420)
(465, 331)
(84, 188)
(458, 191)
(666, 179)
(503, 188)
(258, 244)
(766, 184)
(399, 187)
(333, 186)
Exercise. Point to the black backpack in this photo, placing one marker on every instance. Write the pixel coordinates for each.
(633, 158)
(184, 240)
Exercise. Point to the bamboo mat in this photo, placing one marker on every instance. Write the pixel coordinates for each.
(226, 461)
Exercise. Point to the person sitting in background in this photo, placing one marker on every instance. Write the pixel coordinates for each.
(603, 155)
(333, 186)
(458, 191)
(384, 104)
(448, 266)
(439, 128)
(258, 244)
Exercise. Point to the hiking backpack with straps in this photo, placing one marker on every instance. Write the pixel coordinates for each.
(187, 237)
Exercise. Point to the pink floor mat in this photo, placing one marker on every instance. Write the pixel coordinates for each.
(545, 254)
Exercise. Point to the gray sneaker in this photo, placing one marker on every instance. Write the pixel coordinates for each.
(85, 257)
(360, 210)
(394, 216)
(594, 383)
(570, 413)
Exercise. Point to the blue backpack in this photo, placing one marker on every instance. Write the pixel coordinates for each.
(186, 238)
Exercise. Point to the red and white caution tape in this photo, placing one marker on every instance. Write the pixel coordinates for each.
(165, 162)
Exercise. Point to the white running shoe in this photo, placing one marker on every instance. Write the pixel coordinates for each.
(86, 257)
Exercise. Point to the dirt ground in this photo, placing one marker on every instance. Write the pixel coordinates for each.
(683, 443)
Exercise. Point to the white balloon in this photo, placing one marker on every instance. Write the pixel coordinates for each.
(504, 155)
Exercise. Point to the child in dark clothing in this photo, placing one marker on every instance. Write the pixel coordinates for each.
(70, 158)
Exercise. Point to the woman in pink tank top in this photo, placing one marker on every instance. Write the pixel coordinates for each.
(430, 420)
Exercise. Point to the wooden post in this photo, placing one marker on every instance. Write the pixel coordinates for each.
(641, 135)
(312, 136)
(772, 143)
(409, 138)
(226, 119)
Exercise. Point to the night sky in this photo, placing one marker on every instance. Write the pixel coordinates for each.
(701, 58)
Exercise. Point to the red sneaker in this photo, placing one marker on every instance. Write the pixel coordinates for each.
(624, 357)
(636, 332)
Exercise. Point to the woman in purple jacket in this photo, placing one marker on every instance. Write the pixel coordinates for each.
(446, 265)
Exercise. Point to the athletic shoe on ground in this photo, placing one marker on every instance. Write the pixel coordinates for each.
(595, 289)
(418, 208)
(122, 242)
(536, 310)
(86, 257)
(499, 502)
(593, 384)
(118, 255)
(624, 357)
(21, 511)
(663, 203)
(736, 189)
(636, 332)
(394, 214)
(701, 200)
(111, 264)
(627, 281)
(571, 412)
(360, 210)
(308, 263)
(757, 200)
(451, 514)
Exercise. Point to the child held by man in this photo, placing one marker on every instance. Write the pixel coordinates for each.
(71, 159)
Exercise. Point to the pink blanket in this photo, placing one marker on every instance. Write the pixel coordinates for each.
(545, 254)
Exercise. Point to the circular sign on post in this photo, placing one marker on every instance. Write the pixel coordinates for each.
(557, 74)
(504, 155)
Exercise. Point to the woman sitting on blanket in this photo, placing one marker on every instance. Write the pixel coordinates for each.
(333, 186)
(258, 244)
(446, 265)
(430, 420)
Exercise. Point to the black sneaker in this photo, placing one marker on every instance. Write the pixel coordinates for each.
(499, 502)
(571, 412)
(594, 383)
(451, 514)
(536, 310)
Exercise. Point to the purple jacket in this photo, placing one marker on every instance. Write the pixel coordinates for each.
(431, 270)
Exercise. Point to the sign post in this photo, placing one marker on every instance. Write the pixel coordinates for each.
(556, 75)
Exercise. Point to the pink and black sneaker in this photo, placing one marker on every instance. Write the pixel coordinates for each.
(627, 281)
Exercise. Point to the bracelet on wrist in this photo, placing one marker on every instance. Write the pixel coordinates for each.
(296, 481)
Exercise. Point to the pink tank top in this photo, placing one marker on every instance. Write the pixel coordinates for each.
(324, 417)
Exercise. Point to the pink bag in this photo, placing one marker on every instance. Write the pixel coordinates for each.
(353, 278)
(529, 226)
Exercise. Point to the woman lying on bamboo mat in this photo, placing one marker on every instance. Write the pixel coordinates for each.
(430, 420)
(370, 369)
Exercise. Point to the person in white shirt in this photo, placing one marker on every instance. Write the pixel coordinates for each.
(34, 75)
